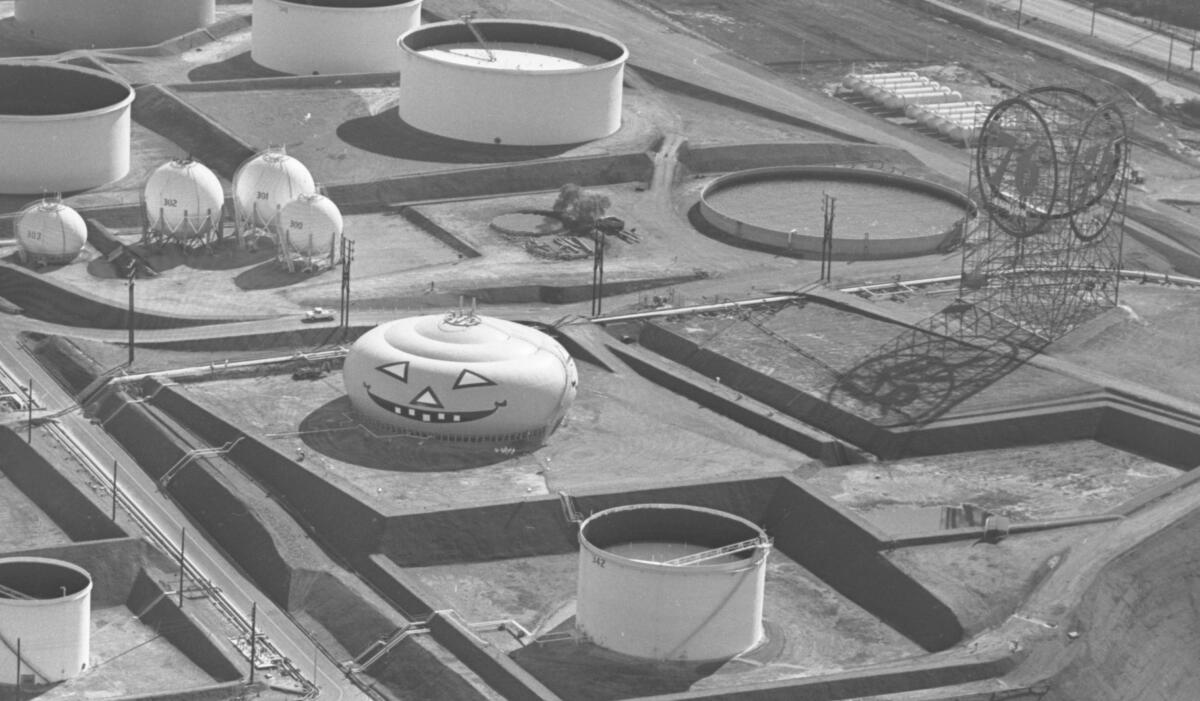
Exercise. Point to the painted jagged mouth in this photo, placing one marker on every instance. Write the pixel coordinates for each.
(433, 417)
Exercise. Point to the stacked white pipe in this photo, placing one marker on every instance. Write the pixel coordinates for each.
(960, 121)
(897, 90)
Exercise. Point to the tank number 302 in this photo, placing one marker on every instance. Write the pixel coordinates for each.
(599, 561)
(170, 202)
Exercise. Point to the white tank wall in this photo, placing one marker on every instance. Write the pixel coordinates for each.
(697, 612)
(183, 199)
(54, 632)
(506, 106)
(65, 152)
(264, 184)
(50, 231)
(311, 225)
(83, 24)
(306, 39)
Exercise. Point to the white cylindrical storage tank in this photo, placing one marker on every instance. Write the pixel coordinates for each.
(633, 599)
(331, 36)
(50, 232)
(310, 225)
(47, 605)
(264, 184)
(62, 128)
(460, 377)
(527, 83)
(104, 24)
(183, 199)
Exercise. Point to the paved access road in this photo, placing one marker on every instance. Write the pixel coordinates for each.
(1121, 33)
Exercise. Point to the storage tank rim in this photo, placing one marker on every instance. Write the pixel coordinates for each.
(64, 116)
(73, 596)
(383, 6)
(555, 27)
(754, 560)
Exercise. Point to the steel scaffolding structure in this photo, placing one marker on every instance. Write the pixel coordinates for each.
(1052, 170)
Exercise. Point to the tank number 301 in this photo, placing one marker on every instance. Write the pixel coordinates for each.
(598, 560)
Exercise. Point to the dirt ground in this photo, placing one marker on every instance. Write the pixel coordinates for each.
(128, 658)
(811, 629)
(24, 525)
(1034, 483)
(621, 432)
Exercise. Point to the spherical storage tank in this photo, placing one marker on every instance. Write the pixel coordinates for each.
(50, 232)
(62, 128)
(331, 36)
(102, 24)
(264, 184)
(46, 604)
(310, 225)
(511, 82)
(183, 199)
(641, 594)
(460, 377)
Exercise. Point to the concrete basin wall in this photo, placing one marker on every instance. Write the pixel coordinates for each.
(843, 248)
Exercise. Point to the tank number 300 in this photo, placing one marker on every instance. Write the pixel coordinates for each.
(599, 561)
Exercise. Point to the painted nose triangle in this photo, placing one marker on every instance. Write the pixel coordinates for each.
(427, 398)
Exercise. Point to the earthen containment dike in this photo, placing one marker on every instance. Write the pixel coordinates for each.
(62, 128)
(511, 82)
(47, 605)
(105, 24)
(634, 601)
(331, 36)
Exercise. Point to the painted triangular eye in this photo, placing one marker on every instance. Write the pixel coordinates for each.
(427, 398)
(396, 370)
(466, 378)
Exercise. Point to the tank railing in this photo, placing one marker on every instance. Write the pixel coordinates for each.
(10, 593)
(761, 541)
(466, 19)
(384, 646)
(192, 455)
(570, 513)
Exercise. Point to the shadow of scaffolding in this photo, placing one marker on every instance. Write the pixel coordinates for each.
(934, 366)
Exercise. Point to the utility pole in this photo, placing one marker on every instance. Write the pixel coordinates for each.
(182, 544)
(1020, 7)
(253, 637)
(29, 411)
(18, 669)
(1092, 32)
(827, 239)
(1170, 54)
(132, 275)
(597, 271)
(347, 258)
(114, 487)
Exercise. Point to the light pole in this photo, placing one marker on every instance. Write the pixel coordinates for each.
(132, 275)
(1092, 32)
(1020, 7)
